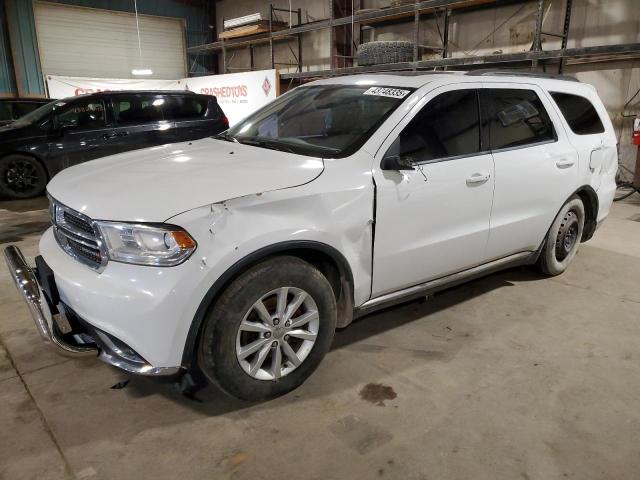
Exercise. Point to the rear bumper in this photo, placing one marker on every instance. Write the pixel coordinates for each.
(80, 338)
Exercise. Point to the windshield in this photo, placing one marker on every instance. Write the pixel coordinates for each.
(38, 114)
(328, 121)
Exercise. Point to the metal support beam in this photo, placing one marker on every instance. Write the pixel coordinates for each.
(271, 36)
(416, 33)
(332, 36)
(445, 35)
(537, 34)
(224, 60)
(565, 32)
(299, 42)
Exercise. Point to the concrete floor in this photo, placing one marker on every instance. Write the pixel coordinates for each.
(514, 376)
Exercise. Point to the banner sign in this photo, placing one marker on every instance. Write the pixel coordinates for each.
(62, 87)
(239, 94)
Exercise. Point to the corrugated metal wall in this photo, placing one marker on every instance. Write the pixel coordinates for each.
(24, 47)
(24, 41)
(7, 84)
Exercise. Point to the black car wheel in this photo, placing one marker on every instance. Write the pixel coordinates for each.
(563, 238)
(21, 176)
(269, 329)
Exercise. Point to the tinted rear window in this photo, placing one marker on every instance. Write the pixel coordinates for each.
(579, 113)
(138, 108)
(184, 108)
(514, 118)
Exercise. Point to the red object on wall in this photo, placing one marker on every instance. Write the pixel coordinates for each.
(635, 138)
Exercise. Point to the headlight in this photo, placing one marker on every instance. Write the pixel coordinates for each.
(161, 245)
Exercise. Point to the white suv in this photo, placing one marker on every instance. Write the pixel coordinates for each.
(238, 256)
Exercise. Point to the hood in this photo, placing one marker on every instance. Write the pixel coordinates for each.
(8, 128)
(154, 184)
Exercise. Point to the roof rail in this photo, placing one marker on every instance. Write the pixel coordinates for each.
(522, 73)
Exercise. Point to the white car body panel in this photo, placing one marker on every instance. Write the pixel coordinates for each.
(417, 230)
(532, 183)
(151, 309)
(153, 184)
(235, 204)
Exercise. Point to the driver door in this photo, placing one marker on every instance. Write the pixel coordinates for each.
(433, 218)
(81, 132)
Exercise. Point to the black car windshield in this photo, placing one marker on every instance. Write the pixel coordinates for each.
(328, 121)
(38, 114)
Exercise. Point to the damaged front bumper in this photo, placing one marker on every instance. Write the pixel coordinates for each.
(61, 327)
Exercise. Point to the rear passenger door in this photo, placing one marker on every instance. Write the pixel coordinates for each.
(138, 122)
(536, 166)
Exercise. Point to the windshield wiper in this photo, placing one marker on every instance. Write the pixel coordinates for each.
(226, 137)
(272, 144)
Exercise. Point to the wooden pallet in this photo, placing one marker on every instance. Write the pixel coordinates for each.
(254, 29)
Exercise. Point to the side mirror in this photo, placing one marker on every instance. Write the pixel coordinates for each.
(396, 162)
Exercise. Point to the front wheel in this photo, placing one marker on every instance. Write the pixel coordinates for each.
(21, 176)
(269, 329)
(563, 238)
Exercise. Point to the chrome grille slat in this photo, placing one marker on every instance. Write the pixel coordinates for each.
(77, 236)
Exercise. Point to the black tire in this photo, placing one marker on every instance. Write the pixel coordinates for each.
(377, 53)
(563, 238)
(21, 176)
(217, 354)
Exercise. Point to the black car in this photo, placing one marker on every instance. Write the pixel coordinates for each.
(66, 132)
(13, 108)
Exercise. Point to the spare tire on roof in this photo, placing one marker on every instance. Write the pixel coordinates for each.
(376, 53)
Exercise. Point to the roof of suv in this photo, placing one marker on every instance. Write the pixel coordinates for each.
(421, 78)
(132, 92)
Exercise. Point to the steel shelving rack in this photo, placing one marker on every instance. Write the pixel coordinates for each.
(535, 58)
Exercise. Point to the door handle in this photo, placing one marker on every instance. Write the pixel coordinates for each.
(478, 178)
(565, 163)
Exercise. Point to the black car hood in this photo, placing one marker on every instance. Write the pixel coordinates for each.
(13, 131)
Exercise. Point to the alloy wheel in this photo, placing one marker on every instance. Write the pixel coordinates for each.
(20, 176)
(277, 333)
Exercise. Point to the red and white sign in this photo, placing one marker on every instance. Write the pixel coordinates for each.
(239, 94)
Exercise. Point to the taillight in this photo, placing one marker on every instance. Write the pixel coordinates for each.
(225, 120)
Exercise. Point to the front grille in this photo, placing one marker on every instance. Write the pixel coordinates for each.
(78, 223)
(76, 235)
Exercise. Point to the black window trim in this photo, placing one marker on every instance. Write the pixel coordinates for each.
(105, 125)
(526, 145)
(116, 124)
(482, 151)
(561, 113)
(484, 139)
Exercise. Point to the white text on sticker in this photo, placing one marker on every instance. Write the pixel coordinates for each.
(387, 92)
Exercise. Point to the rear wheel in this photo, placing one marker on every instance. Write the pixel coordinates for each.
(563, 238)
(21, 176)
(269, 330)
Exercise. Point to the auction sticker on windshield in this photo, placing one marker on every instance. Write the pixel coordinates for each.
(387, 92)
